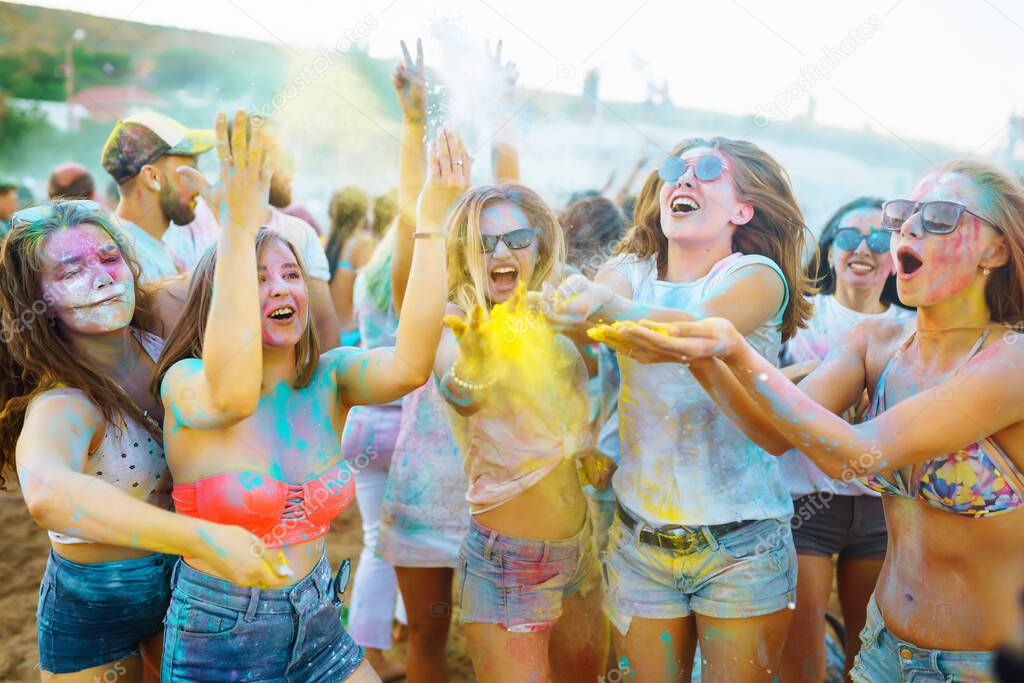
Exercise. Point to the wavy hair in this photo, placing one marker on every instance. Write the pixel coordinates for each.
(776, 231)
(466, 262)
(36, 354)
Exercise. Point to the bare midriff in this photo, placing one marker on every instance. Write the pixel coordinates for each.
(93, 553)
(551, 509)
(950, 582)
(301, 558)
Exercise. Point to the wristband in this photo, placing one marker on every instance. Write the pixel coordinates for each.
(427, 235)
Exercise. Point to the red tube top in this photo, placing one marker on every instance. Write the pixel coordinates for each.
(278, 512)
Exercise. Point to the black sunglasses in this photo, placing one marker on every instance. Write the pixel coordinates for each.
(938, 218)
(848, 239)
(37, 214)
(517, 239)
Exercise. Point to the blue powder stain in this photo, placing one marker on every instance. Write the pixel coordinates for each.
(213, 544)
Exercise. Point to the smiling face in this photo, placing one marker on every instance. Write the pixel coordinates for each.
(283, 295)
(860, 267)
(86, 284)
(505, 267)
(695, 211)
(930, 268)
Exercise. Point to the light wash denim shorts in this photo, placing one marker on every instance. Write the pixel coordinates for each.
(747, 572)
(520, 582)
(884, 657)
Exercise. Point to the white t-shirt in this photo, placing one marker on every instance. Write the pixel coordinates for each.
(157, 262)
(189, 242)
(682, 461)
(828, 325)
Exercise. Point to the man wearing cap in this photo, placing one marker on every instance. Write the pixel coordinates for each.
(143, 154)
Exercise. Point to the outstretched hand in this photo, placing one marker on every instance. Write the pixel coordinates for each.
(474, 347)
(509, 76)
(679, 342)
(241, 197)
(572, 301)
(448, 178)
(410, 83)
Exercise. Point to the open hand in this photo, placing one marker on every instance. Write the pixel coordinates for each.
(678, 342)
(410, 83)
(240, 200)
(572, 301)
(474, 346)
(509, 75)
(448, 178)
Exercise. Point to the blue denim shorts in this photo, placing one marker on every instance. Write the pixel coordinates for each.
(520, 582)
(884, 657)
(92, 614)
(217, 631)
(747, 572)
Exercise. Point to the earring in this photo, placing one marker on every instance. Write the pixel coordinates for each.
(986, 271)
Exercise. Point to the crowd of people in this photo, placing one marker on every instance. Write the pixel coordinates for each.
(637, 438)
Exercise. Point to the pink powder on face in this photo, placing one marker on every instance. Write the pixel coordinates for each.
(86, 283)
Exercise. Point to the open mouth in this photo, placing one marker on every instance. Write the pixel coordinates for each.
(282, 313)
(504, 277)
(909, 262)
(684, 205)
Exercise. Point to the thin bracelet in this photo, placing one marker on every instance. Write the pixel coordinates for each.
(468, 386)
(427, 235)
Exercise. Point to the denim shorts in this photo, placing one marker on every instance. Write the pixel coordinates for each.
(884, 657)
(520, 582)
(849, 526)
(217, 631)
(747, 572)
(92, 614)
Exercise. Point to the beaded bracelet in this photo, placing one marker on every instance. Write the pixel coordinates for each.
(469, 386)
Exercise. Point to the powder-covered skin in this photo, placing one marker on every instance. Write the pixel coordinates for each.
(86, 282)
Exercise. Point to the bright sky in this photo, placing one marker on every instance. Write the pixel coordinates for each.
(949, 71)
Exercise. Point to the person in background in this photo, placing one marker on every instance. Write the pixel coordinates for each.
(385, 208)
(71, 181)
(302, 212)
(856, 277)
(142, 155)
(8, 205)
(349, 246)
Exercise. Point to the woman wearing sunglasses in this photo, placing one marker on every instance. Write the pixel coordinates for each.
(76, 415)
(254, 416)
(701, 548)
(527, 576)
(856, 277)
(943, 441)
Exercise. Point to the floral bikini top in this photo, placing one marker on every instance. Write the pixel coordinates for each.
(979, 480)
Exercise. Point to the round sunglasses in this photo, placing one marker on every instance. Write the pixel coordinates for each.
(848, 239)
(706, 168)
(517, 239)
(938, 218)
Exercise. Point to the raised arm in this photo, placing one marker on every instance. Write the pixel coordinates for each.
(55, 441)
(505, 144)
(224, 387)
(384, 374)
(409, 80)
(627, 186)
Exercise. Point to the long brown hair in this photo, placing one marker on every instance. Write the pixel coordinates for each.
(467, 276)
(186, 339)
(1002, 202)
(776, 231)
(35, 353)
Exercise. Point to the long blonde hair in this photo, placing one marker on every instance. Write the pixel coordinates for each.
(776, 231)
(467, 272)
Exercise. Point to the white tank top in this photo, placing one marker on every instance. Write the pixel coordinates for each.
(682, 461)
(129, 457)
